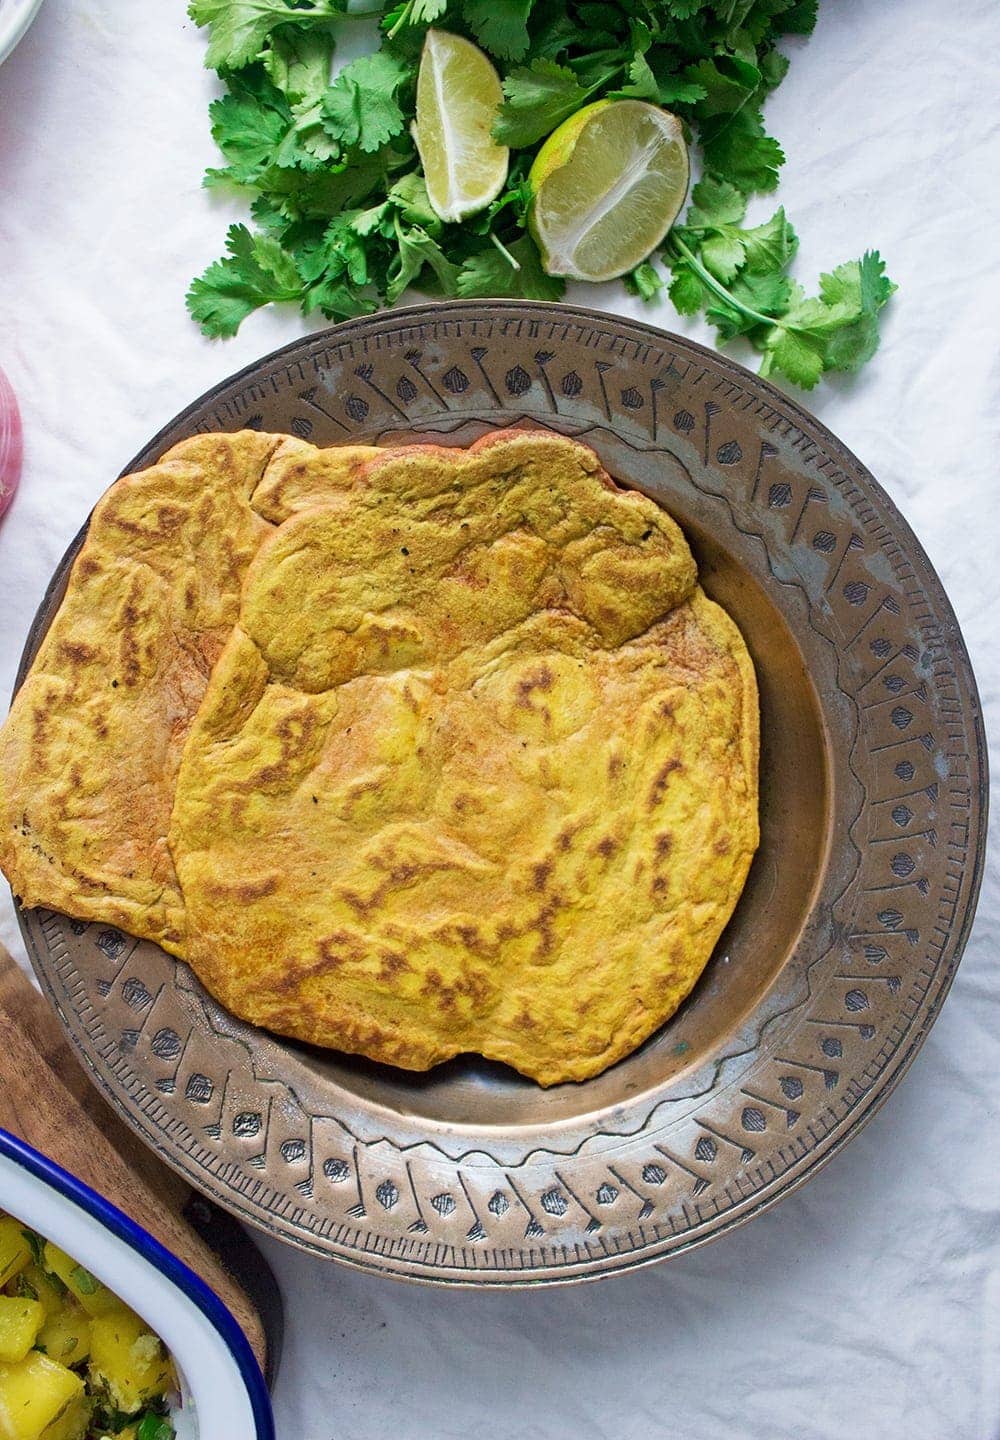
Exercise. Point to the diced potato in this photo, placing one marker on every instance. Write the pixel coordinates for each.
(64, 1312)
(127, 1361)
(95, 1298)
(20, 1322)
(73, 1423)
(15, 1252)
(34, 1283)
(34, 1394)
(65, 1336)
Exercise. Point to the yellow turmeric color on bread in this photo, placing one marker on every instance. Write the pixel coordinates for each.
(408, 752)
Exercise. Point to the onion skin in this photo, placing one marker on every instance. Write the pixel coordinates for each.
(11, 443)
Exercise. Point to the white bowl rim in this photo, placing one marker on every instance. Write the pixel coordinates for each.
(15, 17)
(121, 1254)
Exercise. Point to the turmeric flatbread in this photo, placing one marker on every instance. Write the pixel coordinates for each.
(475, 771)
(90, 750)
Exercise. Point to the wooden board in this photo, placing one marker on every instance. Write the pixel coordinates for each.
(47, 1100)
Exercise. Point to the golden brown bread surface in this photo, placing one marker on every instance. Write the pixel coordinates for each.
(452, 752)
(89, 752)
(475, 772)
(90, 749)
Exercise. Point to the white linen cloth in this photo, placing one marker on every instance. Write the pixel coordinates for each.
(868, 1304)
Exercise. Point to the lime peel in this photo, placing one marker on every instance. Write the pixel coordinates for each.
(607, 186)
(458, 95)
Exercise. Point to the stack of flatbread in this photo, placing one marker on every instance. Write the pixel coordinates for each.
(408, 752)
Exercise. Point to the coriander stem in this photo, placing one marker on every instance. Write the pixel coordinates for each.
(511, 261)
(708, 279)
(404, 18)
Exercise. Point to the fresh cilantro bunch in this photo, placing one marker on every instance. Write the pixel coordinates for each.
(342, 219)
(739, 277)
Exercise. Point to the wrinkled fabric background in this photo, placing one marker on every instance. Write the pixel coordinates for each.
(867, 1304)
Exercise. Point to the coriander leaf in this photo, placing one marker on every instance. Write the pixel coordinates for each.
(516, 197)
(373, 220)
(256, 112)
(538, 98)
(595, 69)
(767, 294)
(84, 1281)
(248, 134)
(268, 216)
(596, 21)
(337, 300)
(728, 84)
(675, 90)
(723, 255)
(800, 19)
(557, 33)
(409, 195)
(684, 9)
(809, 314)
(502, 28)
(863, 286)
(741, 40)
(728, 320)
(798, 357)
(860, 283)
(360, 107)
(417, 249)
(687, 293)
(770, 246)
(413, 12)
(424, 12)
(256, 271)
(642, 82)
(339, 250)
(640, 36)
(838, 330)
(240, 27)
(37, 1247)
(298, 63)
(735, 148)
(645, 281)
(714, 203)
(297, 195)
(488, 274)
(217, 177)
(307, 144)
(853, 345)
(264, 252)
(773, 69)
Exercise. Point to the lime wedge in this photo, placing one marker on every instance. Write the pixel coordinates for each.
(458, 92)
(607, 186)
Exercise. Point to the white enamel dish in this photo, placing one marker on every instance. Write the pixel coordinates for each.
(15, 17)
(224, 1396)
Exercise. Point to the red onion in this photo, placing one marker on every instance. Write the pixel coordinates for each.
(11, 445)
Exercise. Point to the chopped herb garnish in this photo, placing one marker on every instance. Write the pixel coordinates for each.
(84, 1281)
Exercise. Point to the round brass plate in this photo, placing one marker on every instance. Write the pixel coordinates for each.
(841, 949)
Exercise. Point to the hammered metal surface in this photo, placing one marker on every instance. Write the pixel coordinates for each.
(841, 949)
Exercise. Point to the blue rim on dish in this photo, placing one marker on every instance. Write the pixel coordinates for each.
(150, 1249)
